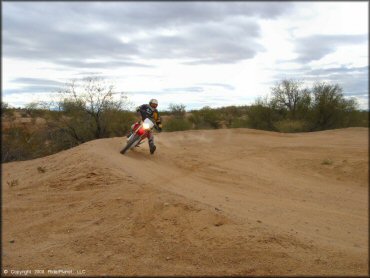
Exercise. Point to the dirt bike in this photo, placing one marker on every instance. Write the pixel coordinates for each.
(140, 132)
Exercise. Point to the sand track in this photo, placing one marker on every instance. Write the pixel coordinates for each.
(237, 201)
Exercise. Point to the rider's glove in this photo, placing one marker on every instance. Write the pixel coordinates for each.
(159, 127)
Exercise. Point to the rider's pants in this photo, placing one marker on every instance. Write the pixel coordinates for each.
(150, 138)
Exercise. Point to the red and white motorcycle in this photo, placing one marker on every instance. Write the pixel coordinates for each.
(140, 132)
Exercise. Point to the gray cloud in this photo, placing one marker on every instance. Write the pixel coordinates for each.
(174, 14)
(318, 46)
(37, 81)
(90, 73)
(34, 85)
(32, 89)
(13, 91)
(29, 85)
(193, 89)
(48, 45)
(211, 43)
(100, 65)
(149, 93)
(340, 70)
(353, 80)
(225, 86)
(358, 94)
(190, 89)
(72, 33)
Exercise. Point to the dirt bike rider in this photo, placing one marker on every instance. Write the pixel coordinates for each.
(150, 111)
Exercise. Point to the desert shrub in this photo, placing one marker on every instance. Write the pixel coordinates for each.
(358, 118)
(177, 110)
(205, 118)
(262, 115)
(327, 162)
(19, 143)
(176, 124)
(57, 139)
(290, 98)
(330, 108)
(296, 109)
(240, 122)
(83, 112)
(13, 183)
(232, 116)
(24, 113)
(119, 122)
(291, 126)
(34, 109)
(88, 107)
(4, 106)
(12, 144)
(41, 169)
(6, 110)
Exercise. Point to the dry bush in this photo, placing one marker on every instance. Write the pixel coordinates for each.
(291, 126)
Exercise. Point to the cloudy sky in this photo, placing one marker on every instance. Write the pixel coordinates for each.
(194, 53)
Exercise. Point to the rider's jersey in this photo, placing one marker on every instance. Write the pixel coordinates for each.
(147, 111)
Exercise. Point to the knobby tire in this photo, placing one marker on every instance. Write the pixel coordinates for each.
(130, 143)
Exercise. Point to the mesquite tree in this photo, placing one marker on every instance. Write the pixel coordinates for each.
(289, 95)
(87, 108)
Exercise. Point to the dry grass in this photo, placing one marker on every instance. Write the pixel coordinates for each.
(327, 162)
(12, 183)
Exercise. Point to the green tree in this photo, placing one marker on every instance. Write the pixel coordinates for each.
(88, 108)
(177, 110)
(6, 109)
(4, 105)
(330, 108)
(289, 95)
(262, 115)
(34, 109)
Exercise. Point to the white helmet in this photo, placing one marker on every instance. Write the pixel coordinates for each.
(153, 101)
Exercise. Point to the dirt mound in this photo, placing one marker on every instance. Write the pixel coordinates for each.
(236, 202)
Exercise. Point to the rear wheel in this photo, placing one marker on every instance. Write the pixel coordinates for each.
(131, 143)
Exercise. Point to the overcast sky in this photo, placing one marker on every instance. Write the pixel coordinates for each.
(194, 53)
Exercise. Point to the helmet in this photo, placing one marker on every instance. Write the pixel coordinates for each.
(153, 101)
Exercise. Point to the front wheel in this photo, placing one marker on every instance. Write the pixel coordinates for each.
(131, 143)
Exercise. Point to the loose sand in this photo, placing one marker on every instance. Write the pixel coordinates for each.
(214, 202)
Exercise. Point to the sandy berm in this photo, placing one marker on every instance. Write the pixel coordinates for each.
(210, 202)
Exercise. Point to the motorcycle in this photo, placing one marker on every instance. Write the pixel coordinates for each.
(140, 132)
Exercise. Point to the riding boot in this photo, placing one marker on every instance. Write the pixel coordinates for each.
(152, 147)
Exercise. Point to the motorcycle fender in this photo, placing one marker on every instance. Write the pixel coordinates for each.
(141, 131)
